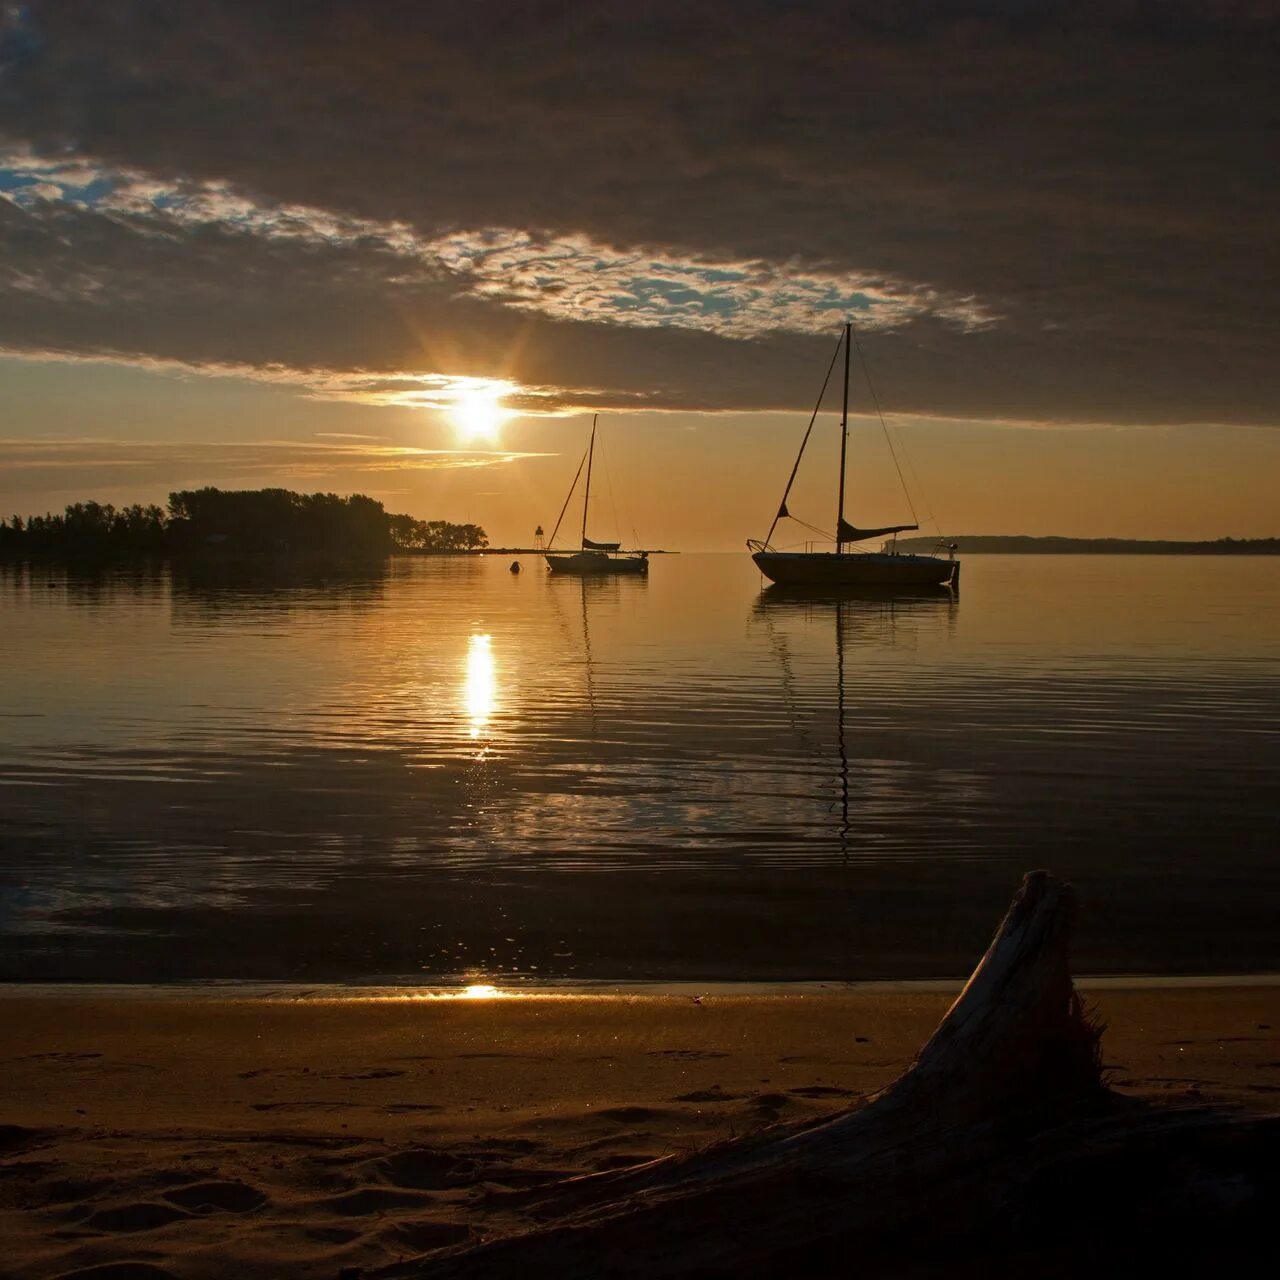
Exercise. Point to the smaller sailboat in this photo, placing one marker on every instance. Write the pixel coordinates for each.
(593, 557)
(884, 570)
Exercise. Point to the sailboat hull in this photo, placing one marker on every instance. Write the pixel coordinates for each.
(593, 563)
(866, 569)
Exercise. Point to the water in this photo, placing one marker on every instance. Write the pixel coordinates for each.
(449, 769)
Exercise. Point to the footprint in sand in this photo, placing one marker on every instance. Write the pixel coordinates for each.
(366, 1200)
(66, 1190)
(217, 1197)
(422, 1170)
(317, 1105)
(425, 1236)
(512, 1057)
(627, 1115)
(333, 1235)
(119, 1271)
(770, 1101)
(15, 1138)
(686, 1055)
(715, 1094)
(146, 1216)
(60, 1057)
(512, 1147)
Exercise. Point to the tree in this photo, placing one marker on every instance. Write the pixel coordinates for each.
(436, 535)
(236, 521)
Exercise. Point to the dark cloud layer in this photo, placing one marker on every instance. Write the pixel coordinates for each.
(1099, 178)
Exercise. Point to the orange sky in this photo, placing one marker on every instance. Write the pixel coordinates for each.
(269, 246)
(679, 480)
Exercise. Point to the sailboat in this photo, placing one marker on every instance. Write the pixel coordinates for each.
(884, 569)
(593, 557)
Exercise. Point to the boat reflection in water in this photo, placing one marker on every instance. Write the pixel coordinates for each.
(579, 596)
(861, 618)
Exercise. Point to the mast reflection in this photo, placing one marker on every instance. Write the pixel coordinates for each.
(860, 617)
(598, 593)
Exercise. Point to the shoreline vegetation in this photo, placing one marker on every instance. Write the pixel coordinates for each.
(224, 524)
(1023, 544)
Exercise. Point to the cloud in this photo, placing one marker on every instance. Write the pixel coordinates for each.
(1052, 212)
(566, 278)
(72, 464)
(577, 280)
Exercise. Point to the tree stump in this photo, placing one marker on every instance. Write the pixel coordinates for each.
(1000, 1129)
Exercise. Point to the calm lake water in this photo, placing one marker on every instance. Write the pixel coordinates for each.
(450, 770)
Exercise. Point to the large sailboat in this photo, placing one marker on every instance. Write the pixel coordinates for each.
(884, 569)
(592, 557)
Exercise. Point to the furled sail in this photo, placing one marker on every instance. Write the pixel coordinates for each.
(600, 546)
(847, 533)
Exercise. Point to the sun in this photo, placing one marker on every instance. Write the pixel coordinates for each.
(478, 416)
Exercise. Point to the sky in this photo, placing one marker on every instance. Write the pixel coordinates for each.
(410, 249)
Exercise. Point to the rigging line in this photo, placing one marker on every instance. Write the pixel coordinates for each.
(823, 535)
(808, 431)
(586, 496)
(567, 499)
(608, 484)
(884, 426)
(813, 528)
(915, 475)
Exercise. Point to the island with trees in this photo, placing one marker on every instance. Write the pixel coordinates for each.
(214, 523)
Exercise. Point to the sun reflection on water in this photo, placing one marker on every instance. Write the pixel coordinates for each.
(480, 687)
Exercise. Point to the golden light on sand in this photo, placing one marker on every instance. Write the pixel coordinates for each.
(480, 686)
(481, 991)
(478, 415)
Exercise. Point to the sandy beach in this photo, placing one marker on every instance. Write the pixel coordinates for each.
(205, 1136)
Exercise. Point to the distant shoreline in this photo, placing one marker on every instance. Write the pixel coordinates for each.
(1017, 544)
(303, 557)
(515, 551)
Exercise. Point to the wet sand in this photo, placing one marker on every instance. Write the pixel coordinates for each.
(217, 1137)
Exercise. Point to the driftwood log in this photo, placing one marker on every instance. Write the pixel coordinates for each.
(999, 1147)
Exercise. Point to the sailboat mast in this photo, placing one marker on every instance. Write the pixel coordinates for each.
(591, 449)
(844, 439)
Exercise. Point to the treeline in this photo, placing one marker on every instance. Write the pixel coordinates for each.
(220, 522)
(1025, 545)
(86, 528)
(437, 535)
